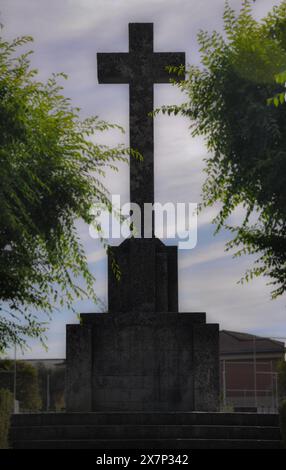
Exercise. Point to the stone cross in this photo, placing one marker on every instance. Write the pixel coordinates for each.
(141, 67)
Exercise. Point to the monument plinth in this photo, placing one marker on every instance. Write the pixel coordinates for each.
(142, 355)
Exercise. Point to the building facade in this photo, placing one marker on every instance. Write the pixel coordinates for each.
(249, 378)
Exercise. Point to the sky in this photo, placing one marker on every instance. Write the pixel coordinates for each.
(67, 35)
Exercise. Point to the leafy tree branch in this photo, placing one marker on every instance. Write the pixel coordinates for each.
(51, 174)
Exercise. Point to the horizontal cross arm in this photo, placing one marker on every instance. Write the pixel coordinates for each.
(113, 67)
(160, 62)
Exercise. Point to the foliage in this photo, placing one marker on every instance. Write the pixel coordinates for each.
(283, 422)
(228, 103)
(51, 175)
(6, 406)
(279, 98)
(27, 390)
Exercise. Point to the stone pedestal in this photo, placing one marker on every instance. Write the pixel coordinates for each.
(143, 362)
(149, 277)
(143, 355)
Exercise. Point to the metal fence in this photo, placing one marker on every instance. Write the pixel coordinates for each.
(248, 385)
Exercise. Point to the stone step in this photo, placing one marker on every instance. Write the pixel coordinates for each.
(146, 418)
(186, 444)
(93, 432)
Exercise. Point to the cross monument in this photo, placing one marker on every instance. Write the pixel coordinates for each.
(141, 68)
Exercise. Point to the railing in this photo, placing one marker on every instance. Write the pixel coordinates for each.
(262, 399)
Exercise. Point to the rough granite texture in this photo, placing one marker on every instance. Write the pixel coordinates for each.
(143, 361)
(141, 67)
(143, 355)
(149, 277)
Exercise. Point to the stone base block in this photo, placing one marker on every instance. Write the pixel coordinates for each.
(143, 362)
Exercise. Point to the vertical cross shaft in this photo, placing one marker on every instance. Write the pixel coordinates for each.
(140, 68)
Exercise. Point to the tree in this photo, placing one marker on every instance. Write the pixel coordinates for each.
(6, 408)
(229, 103)
(51, 175)
(28, 391)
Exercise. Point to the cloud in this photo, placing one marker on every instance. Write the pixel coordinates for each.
(96, 256)
(213, 287)
(213, 252)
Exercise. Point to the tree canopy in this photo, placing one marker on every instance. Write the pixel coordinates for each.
(51, 171)
(232, 100)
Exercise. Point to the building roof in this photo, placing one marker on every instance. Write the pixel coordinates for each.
(48, 363)
(233, 342)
